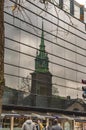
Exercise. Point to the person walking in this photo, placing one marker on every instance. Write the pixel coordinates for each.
(40, 125)
(28, 125)
(56, 126)
(49, 126)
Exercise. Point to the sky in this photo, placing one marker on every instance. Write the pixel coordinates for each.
(81, 1)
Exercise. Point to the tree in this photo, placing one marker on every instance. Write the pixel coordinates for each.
(1, 51)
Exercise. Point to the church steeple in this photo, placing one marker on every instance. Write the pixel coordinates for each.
(42, 46)
(41, 61)
(41, 78)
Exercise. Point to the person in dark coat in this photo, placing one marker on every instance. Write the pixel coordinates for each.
(56, 126)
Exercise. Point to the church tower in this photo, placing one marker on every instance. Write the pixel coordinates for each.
(41, 87)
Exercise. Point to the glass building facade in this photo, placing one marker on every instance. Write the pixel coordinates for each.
(64, 38)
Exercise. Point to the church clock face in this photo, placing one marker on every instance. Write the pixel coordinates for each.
(42, 63)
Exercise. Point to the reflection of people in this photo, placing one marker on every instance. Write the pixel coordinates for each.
(56, 126)
(29, 125)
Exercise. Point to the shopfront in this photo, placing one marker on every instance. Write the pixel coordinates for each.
(79, 124)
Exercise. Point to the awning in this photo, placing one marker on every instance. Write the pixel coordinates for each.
(61, 116)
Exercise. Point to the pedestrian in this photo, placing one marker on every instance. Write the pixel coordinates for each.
(49, 126)
(28, 125)
(39, 125)
(56, 126)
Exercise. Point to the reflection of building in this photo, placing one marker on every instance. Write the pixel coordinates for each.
(75, 105)
(12, 96)
(41, 87)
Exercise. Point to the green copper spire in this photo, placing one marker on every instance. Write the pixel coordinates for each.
(42, 46)
(41, 61)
